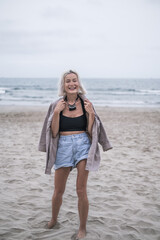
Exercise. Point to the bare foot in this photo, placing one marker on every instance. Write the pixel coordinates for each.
(51, 224)
(81, 234)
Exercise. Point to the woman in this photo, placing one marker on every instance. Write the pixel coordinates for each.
(70, 136)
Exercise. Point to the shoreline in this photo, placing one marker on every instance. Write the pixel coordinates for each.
(4, 108)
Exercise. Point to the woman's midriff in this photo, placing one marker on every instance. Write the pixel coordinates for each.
(70, 133)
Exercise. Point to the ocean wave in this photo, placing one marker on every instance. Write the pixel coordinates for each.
(3, 90)
(100, 92)
(150, 91)
(124, 91)
(34, 88)
(111, 89)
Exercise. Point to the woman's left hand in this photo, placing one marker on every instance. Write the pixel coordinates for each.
(88, 106)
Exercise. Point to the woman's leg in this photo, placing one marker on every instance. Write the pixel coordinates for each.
(60, 180)
(83, 204)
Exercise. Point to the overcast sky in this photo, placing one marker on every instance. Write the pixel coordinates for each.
(97, 38)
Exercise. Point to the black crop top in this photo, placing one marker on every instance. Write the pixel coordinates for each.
(73, 124)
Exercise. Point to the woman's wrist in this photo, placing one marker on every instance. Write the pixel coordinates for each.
(91, 114)
(56, 111)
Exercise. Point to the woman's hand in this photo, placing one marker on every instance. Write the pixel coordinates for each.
(55, 120)
(91, 116)
(88, 107)
(60, 106)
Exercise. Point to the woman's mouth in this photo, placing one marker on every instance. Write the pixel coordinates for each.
(72, 88)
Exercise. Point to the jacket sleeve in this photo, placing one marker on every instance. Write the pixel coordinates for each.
(42, 141)
(103, 139)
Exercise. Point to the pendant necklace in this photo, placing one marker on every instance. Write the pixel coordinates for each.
(72, 106)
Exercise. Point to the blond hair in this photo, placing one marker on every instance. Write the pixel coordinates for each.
(62, 92)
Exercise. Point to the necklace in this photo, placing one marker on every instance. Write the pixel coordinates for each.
(72, 106)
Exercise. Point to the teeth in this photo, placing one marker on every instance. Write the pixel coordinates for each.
(72, 88)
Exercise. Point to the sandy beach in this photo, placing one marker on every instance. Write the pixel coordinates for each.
(124, 194)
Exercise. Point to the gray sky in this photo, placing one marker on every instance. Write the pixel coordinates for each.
(97, 38)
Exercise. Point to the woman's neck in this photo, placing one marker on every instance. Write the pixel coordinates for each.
(72, 97)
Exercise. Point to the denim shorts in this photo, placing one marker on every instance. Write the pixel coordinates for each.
(71, 150)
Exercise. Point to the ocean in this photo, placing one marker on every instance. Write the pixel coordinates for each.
(102, 92)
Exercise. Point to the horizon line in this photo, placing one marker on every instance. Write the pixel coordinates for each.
(82, 77)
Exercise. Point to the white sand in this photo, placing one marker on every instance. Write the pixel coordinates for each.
(124, 194)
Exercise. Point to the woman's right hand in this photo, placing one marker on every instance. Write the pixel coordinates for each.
(60, 106)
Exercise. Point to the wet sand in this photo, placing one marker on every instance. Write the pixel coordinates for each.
(124, 194)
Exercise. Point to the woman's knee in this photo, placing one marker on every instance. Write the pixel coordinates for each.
(58, 193)
(81, 192)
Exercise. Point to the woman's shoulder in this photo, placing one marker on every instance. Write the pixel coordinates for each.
(54, 103)
(83, 97)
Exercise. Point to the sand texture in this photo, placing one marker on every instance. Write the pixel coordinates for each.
(124, 194)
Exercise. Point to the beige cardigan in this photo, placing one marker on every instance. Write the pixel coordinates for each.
(49, 144)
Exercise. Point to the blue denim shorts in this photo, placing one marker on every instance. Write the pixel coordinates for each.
(71, 150)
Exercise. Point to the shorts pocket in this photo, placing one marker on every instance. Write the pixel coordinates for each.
(86, 140)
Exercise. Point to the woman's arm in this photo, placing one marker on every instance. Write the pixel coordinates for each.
(90, 123)
(91, 115)
(55, 120)
(55, 124)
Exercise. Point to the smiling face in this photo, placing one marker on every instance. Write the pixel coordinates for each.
(71, 84)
